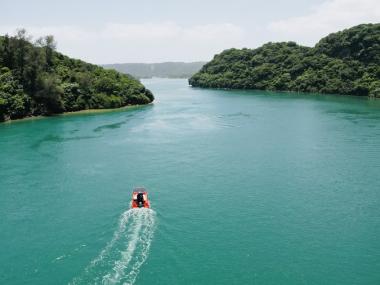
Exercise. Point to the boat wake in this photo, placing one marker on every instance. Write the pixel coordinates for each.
(120, 261)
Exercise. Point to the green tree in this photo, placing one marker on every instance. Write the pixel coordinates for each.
(346, 62)
(35, 79)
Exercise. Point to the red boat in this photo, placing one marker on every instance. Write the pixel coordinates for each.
(140, 198)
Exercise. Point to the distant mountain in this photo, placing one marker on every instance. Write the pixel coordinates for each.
(346, 62)
(164, 69)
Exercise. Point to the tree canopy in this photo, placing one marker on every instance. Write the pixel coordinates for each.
(347, 62)
(37, 80)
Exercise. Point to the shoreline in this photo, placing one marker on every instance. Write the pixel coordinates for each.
(287, 92)
(74, 113)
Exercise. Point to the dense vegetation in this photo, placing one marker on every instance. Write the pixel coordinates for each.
(164, 69)
(37, 80)
(347, 62)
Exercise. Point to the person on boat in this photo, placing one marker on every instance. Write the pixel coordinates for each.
(140, 199)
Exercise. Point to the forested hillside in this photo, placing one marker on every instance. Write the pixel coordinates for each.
(347, 62)
(37, 80)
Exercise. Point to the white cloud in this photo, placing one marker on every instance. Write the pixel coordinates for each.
(226, 32)
(154, 41)
(144, 31)
(328, 17)
(146, 42)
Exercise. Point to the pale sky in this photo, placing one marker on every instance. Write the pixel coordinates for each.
(117, 31)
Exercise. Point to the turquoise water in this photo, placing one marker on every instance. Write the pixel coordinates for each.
(245, 187)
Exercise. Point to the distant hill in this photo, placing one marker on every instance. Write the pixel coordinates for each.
(346, 62)
(164, 69)
(37, 80)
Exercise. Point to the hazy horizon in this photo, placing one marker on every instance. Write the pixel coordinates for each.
(153, 62)
(172, 31)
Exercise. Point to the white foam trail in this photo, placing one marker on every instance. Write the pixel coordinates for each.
(120, 261)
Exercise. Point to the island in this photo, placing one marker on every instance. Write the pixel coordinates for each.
(35, 80)
(346, 63)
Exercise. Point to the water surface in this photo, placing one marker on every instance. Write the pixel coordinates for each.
(247, 187)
